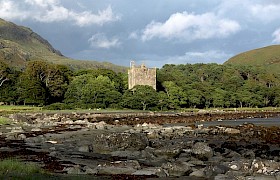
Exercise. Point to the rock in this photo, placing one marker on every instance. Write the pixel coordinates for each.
(267, 167)
(260, 177)
(232, 155)
(221, 177)
(89, 170)
(157, 171)
(232, 131)
(73, 170)
(21, 137)
(127, 154)
(168, 152)
(202, 151)
(177, 169)
(184, 157)
(80, 122)
(17, 130)
(242, 165)
(118, 167)
(249, 154)
(100, 125)
(36, 129)
(104, 143)
(152, 134)
(213, 170)
(85, 148)
(229, 145)
(198, 173)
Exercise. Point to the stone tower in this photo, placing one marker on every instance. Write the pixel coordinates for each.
(141, 75)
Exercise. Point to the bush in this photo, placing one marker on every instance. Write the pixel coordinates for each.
(4, 121)
(58, 106)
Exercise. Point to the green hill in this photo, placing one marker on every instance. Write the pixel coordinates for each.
(268, 57)
(19, 44)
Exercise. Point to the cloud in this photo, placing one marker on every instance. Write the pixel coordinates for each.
(99, 40)
(250, 11)
(191, 27)
(276, 36)
(48, 11)
(133, 35)
(266, 12)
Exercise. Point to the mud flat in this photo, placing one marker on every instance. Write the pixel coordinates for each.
(141, 146)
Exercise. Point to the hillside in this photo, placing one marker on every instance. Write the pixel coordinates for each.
(19, 44)
(268, 57)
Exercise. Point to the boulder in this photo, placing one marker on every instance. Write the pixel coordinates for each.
(118, 167)
(202, 151)
(232, 131)
(157, 171)
(198, 173)
(108, 142)
(177, 169)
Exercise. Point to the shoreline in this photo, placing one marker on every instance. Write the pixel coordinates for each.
(134, 118)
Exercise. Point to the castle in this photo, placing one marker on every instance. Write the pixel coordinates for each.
(141, 75)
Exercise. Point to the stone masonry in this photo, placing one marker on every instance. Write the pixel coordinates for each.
(141, 75)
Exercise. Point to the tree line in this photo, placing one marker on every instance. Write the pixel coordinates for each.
(178, 86)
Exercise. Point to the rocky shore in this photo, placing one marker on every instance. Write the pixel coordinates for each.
(144, 146)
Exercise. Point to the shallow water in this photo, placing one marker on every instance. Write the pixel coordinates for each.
(267, 122)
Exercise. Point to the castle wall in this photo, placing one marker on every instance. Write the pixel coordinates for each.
(141, 76)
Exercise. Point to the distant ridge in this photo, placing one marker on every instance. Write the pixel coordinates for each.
(267, 57)
(19, 44)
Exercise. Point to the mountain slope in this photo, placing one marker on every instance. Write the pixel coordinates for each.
(268, 57)
(19, 44)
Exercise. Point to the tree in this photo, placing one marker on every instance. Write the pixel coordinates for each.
(176, 96)
(140, 97)
(194, 97)
(43, 83)
(162, 100)
(94, 92)
(4, 73)
(219, 97)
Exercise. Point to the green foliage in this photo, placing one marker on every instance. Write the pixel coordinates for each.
(13, 166)
(179, 86)
(267, 57)
(213, 85)
(43, 83)
(4, 121)
(58, 106)
(140, 97)
(95, 92)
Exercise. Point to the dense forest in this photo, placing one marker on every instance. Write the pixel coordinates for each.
(178, 86)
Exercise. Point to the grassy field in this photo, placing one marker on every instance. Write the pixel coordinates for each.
(268, 57)
(4, 110)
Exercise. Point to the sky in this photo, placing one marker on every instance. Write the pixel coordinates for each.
(154, 32)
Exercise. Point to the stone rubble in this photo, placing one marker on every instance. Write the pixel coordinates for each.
(241, 152)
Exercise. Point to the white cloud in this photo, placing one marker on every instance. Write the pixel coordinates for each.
(191, 27)
(133, 35)
(266, 12)
(99, 40)
(10, 10)
(250, 11)
(53, 11)
(42, 3)
(276, 36)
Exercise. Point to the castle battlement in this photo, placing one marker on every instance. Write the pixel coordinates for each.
(141, 75)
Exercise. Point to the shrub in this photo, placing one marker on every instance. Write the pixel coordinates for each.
(4, 121)
(58, 106)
